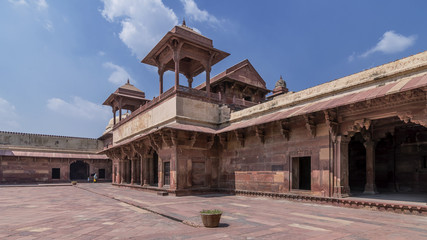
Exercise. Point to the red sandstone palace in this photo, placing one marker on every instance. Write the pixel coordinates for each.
(362, 133)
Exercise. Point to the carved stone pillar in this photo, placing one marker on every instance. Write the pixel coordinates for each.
(141, 170)
(146, 172)
(208, 81)
(161, 173)
(370, 187)
(132, 170)
(122, 171)
(341, 182)
(161, 71)
(118, 175)
(190, 82)
(176, 46)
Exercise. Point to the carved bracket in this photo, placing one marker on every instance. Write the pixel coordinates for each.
(223, 139)
(141, 149)
(193, 138)
(240, 136)
(310, 124)
(210, 141)
(125, 152)
(331, 118)
(419, 117)
(260, 132)
(285, 128)
(166, 137)
(155, 142)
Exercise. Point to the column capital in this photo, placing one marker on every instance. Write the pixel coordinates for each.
(343, 139)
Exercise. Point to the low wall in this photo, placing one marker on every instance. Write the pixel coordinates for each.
(263, 181)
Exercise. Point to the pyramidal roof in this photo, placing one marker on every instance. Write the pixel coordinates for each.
(242, 72)
(129, 87)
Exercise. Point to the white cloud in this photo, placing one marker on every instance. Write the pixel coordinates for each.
(119, 76)
(48, 25)
(41, 4)
(39, 10)
(79, 108)
(144, 22)
(19, 2)
(390, 43)
(9, 118)
(196, 30)
(101, 53)
(191, 9)
(351, 57)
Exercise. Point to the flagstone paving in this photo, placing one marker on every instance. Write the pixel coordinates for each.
(103, 211)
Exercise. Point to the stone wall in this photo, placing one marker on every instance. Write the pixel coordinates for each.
(275, 154)
(39, 170)
(262, 181)
(31, 158)
(49, 142)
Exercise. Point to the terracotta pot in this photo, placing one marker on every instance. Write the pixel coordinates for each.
(210, 220)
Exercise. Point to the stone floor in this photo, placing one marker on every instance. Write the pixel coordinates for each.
(102, 211)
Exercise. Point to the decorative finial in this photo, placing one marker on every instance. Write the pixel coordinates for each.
(128, 81)
(183, 22)
(280, 83)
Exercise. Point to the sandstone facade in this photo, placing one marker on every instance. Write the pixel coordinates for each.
(362, 133)
(36, 158)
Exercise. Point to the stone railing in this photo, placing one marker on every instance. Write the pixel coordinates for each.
(182, 90)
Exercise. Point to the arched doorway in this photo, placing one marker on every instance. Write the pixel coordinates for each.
(357, 164)
(79, 170)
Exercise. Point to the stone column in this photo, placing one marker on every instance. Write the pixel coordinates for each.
(161, 71)
(161, 173)
(114, 115)
(141, 170)
(132, 170)
(370, 187)
(176, 60)
(113, 174)
(342, 188)
(120, 109)
(208, 81)
(120, 175)
(146, 172)
(190, 82)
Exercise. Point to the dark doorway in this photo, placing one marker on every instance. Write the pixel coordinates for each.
(155, 168)
(56, 173)
(305, 173)
(79, 170)
(384, 165)
(357, 164)
(166, 172)
(101, 173)
(301, 173)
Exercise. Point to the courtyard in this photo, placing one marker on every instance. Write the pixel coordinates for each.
(103, 211)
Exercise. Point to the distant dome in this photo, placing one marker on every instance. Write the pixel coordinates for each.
(280, 83)
(109, 127)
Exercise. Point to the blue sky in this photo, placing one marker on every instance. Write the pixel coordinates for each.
(59, 60)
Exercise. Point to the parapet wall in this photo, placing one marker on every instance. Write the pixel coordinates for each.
(377, 75)
(39, 142)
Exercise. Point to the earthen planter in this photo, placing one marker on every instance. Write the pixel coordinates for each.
(210, 220)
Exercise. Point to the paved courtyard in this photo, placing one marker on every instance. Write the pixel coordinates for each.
(103, 211)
